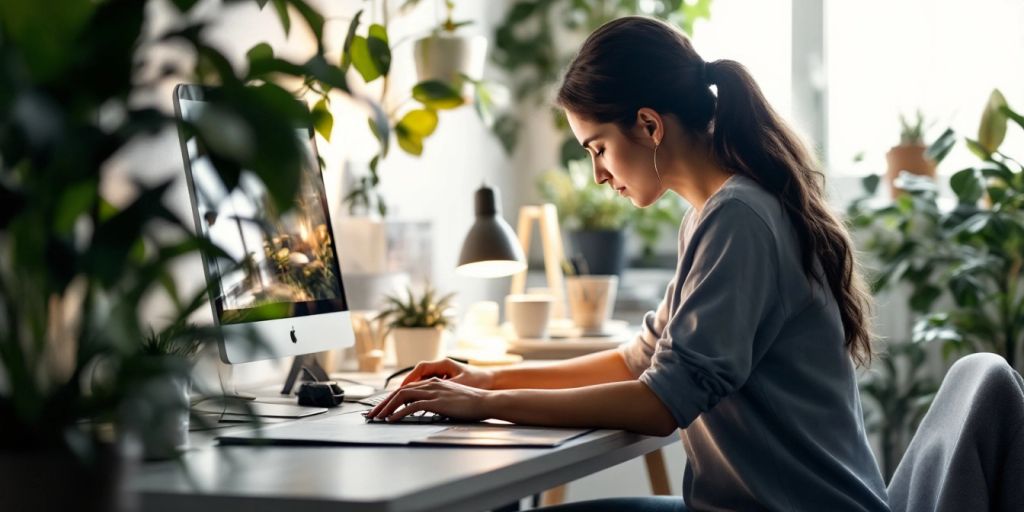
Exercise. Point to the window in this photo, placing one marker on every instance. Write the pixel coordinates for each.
(757, 35)
(944, 57)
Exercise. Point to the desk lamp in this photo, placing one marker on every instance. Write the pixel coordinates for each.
(490, 249)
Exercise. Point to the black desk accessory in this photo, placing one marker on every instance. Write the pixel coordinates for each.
(321, 394)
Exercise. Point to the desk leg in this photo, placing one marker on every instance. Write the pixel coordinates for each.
(657, 473)
(553, 496)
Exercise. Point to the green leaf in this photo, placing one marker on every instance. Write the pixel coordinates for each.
(409, 142)
(74, 202)
(185, 5)
(420, 122)
(281, 7)
(437, 95)
(978, 149)
(380, 133)
(323, 120)
(313, 18)
(923, 297)
(346, 47)
(941, 147)
(377, 31)
(329, 75)
(259, 52)
(870, 183)
(371, 57)
(1017, 118)
(483, 103)
(992, 130)
(967, 186)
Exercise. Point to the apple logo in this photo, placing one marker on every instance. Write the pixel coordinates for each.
(292, 334)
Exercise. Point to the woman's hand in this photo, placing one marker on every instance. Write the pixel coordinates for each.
(453, 371)
(444, 397)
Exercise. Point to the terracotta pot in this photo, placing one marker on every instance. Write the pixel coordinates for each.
(908, 158)
(416, 344)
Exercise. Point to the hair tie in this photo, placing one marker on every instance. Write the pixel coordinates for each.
(704, 79)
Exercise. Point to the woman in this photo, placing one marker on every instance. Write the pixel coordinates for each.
(752, 350)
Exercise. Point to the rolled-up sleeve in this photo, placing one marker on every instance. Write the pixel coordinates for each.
(727, 285)
(638, 353)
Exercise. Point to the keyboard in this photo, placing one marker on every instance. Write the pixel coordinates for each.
(419, 418)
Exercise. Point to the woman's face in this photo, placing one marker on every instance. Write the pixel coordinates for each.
(625, 163)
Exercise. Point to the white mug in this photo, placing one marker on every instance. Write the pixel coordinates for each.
(529, 314)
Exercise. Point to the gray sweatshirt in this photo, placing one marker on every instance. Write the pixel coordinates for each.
(748, 355)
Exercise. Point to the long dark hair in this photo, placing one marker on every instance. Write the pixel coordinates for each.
(636, 62)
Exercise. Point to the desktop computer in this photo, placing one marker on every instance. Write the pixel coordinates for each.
(280, 293)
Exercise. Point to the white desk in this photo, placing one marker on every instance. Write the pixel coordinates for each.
(300, 479)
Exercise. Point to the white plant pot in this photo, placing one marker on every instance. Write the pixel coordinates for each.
(416, 344)
(168, 433)
(444, 57)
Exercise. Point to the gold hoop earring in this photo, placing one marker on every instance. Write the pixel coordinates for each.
(656, 164)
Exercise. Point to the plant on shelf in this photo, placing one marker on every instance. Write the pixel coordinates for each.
(417, 324)
(593, 214)
(911, 153)
(445, 65)
(75, 265)
(969, 256)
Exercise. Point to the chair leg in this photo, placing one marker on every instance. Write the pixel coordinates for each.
(657, 473)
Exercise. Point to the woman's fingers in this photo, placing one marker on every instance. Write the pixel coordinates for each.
(414, 407)
(399, 398)
(425, 370)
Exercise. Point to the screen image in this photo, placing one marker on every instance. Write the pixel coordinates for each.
(282, 264)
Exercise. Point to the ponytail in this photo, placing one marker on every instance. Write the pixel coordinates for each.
(751, 139)
(636, 62)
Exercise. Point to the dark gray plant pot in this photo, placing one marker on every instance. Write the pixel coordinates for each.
(44, 480)
(604, 250)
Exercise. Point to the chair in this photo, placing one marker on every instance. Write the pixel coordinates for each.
(968, 453)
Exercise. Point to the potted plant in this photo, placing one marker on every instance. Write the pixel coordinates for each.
(446, 64)
(75, 265)
(594, 216)
(970, 256)
(417, 324)
(166, 419)
(909, 155)
(449, 57)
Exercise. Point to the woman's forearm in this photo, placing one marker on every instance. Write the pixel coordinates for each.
(628, 405)
(598, 368)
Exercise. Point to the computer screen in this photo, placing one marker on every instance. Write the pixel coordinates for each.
(282, 280)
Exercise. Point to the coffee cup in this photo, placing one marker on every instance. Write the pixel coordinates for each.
(529, 314)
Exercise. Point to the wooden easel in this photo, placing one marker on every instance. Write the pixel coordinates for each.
(551, 241)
